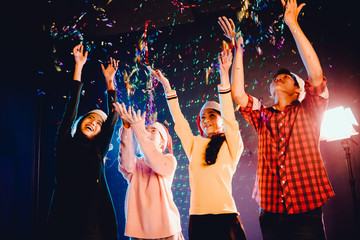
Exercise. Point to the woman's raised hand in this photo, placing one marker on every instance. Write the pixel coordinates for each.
(80, 59)
(160, 76)
(128, 116)
(79, 55)
(109, 73)
(228, 27)
(292, 11)
(137, 116)
(225, 61)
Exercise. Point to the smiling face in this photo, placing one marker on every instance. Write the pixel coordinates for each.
(211, 122)
(91, 125)
(155, 137)
(283, 83)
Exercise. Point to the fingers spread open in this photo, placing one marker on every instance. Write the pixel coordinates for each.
(222, 25)
(300, 7)
(232, 24)
(133, 112)
(228, 24)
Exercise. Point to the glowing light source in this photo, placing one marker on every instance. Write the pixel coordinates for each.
(338, 124)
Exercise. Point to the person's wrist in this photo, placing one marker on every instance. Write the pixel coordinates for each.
(111, 87)
(109, 79)
(239, 51)
(77, 74)
(223, 73)
(166, 86)
(292, 26)
(225, 82)
(126, 124)
(79, 66)
(167, 89)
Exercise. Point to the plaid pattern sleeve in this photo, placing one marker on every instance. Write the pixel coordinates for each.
(291, 176)
(316, 98)
(251, 112)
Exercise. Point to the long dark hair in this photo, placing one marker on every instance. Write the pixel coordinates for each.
(213, 147)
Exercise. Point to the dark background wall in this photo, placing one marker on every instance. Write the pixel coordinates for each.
(183, 44)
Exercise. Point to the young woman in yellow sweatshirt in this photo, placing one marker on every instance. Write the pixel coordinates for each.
(213, 158)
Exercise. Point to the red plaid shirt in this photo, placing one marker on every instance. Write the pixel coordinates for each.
(290, 176)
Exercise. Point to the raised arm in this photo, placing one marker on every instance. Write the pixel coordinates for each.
(182, 127)
(161, 78)
(80, 60)
(225, 64)
(109, 73)
(237, 73)
(107, 128)
(231, 126)
(162, 164)
(127, 159)
(69, 117)
(307, 52)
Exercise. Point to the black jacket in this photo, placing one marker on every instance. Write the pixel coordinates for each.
(81, 206)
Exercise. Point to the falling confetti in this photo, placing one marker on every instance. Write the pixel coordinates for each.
(181, 5)
(189, 60)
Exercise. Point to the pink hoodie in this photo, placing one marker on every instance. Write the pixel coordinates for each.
(149, 206)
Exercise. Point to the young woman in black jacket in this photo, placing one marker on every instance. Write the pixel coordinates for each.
(81, 206)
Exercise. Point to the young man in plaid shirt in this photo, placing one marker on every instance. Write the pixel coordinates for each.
(291, 182)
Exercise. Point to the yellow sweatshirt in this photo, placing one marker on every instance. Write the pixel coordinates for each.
(211, 189)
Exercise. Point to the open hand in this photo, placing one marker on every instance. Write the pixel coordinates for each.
(225, 61)
(292, 11)
(128, 116)
(160, 76)
(109, 73)
(137, 116)
(80, 57)
(111, 69)
(228, 27)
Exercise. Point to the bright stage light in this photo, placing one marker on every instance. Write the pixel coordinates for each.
(338, 124)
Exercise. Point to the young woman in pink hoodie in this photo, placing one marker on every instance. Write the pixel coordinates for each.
(150, 210)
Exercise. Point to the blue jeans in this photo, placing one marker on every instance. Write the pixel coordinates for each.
(282, 226)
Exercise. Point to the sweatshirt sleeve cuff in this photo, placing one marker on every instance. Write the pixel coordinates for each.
(223, 90)
(171, 95)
